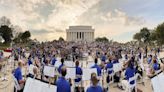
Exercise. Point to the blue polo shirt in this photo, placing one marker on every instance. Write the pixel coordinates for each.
(18, 74)
(53, 61)
(63, 85)
(115, 61)
(149, 60)
(94, 89)
(98, 69)
(109, 65)
(29, 62)
(103, 58)
(60, 67)
(156, 66)
(78, 72)
(129, 73)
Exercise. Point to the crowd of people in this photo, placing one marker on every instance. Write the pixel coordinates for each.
(135, 61)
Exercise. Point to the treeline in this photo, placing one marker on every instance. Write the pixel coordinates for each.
(151, 36)
(10, 33)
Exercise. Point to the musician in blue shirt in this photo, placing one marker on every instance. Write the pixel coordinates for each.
(94, 87)
(62, 64)
(62, 84)
(18, 74)
(109, 66)
(103, 58)
(115, 60)
(156, 66)
(53, 60)
(78, 72)
(149, 59)
(29, 60)
(97, 67)
(129, 72)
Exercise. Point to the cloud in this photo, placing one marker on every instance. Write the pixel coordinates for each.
(48, 19)
(41, 31)
(118, 16)
(67, 12)
(59, 30)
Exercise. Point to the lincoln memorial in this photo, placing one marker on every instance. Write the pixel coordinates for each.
(80, 33)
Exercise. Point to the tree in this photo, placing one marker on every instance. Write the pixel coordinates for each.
(6, 33)
(18, 39)
(137, 37)
(25, 36)
(103, 39)
(159, 34)
(61, 39)
(5, 21)
(143, 36)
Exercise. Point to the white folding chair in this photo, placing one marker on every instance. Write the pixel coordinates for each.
(78, 83)
(16, 85)
(132, 87)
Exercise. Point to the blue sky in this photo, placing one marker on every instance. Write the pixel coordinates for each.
(115, 19)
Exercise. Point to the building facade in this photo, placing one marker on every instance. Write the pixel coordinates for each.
(80, 33)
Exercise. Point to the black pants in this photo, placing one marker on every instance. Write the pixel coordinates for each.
(18, 90)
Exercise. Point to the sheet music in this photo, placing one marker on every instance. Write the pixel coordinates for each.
(71, 73)
(58, 59)
(158, 83)
(48, 88)
(87, 73)
(90, 64)
(155, 84)
(57, 64)
(69, 63)
(90, 58)
(49, 71)
(117, 67)
(161, 81)
(33, 85)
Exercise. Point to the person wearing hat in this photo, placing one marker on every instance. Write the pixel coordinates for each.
(94, 87)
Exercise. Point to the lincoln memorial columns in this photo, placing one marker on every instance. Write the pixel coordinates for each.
(80, 33)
